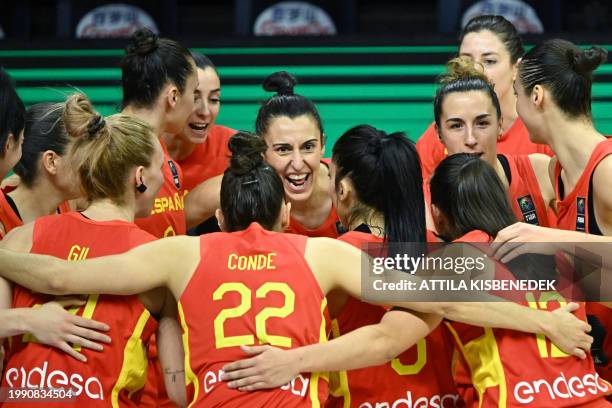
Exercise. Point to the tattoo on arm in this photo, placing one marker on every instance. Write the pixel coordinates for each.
(173, 373)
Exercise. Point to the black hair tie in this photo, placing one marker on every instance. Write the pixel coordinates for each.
(374, 145)
(96, 124)
(285, 90)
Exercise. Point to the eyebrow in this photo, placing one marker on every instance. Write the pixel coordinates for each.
(481, 116)
(215, 90)
(314, 139)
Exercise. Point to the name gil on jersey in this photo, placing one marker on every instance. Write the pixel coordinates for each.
(255, 262)
(175, 202)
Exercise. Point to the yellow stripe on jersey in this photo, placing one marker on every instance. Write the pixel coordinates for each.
(133, 375)
(482, 355)
(314, 377)
(344, 390)
(190, 377)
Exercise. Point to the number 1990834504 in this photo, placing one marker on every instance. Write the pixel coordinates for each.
(8, 394)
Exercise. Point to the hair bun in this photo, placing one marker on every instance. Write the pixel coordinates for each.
(247, 152)
(144, 42)
(463, 68)
(280, 82)
(95, 125)
(586, 61)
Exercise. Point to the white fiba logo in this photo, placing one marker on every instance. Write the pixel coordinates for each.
(38, 377)
(431, 401)
(563, 388)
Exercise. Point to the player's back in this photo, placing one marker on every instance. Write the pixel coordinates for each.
(420, 375)
(251, 287)
(511, 368)
(120, 369)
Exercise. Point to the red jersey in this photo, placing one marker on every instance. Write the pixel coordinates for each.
(524, 191)
(64, 207)
(168, 214)
(327, 229)
(511, 369)
(576, 212)
(420, 376)
(514, 141)
(110, 377)
(9, 217)
(208, 159)
(251, 287)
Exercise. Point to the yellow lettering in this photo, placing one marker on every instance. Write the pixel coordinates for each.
(157, 208)
(77, 253)
(251, 262)
(270, 264)
(179, 202)
(242, 262)
(230, 265)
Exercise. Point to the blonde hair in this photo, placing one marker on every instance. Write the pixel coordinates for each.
(463, 67)
(463, 75)
(104, 150)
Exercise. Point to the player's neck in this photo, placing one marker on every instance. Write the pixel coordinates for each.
(178, 148)
(508, 109)
(154, 117)
(35, 202)
(573, 142)
(375, 222)
(106, 210)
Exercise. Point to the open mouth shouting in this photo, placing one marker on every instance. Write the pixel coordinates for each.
(199, 129)
(297, 183)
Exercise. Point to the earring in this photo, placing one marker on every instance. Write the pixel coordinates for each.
(141, 188)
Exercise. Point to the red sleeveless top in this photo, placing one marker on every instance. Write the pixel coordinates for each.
(251, 287)
(208, 159)
(114, 376)
(524, 191)
(8, 217)
(421, 374)
(167, 217)
(514, 369)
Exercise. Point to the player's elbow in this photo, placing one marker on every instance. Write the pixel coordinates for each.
(384, 347)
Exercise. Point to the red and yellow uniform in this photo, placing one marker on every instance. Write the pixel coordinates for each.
(511, 369)
(111, 377)
(64, 207)
(329, 227)
(514, 141)
(9, 216)
(523, 190)
(576, 212)
(208, 159)
(420, 376)
(251, 287)
(168, 214)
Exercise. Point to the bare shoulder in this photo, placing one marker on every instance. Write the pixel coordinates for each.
(540, 161)
(601, 178)
(19, 239)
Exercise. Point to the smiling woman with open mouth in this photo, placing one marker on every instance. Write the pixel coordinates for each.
(293, 131)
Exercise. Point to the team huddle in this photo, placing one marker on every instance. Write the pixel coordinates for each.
(156, 258)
